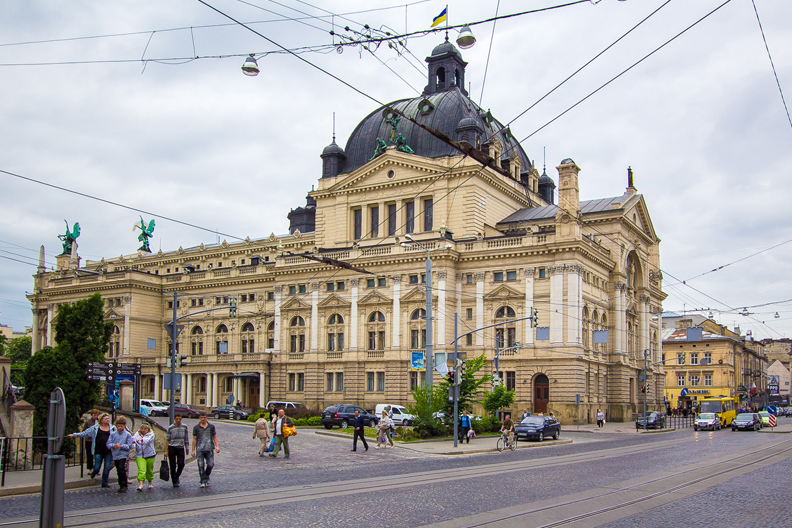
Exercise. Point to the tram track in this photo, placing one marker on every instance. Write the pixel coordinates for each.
(162, 510)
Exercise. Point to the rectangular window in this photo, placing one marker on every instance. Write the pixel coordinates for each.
(381, 282)
(292, 290)
(391, 219)
(542, 273)
(357, 221)
(330, 380)
(694, 381)
(251, 297)
(270, 296)
(194, 302)
(330, 286)
(292, 380)
(497, 276)
(413, 279)
(680, 380)
(469, 339)
(708, 358)
(302, 288)
(708, 380)
(302, 342)
(511, 337)
(511, 275)
(370, 283)
(469, 314)
(414, 339)
(409, 208)
(499, 337)
(243, 297)
(381, 381)
(416, 378)
(680, 358)
(511, 380)
(330, 342)
(428, 214)
(381, 341)
(372, 341)
(300, 382)
(694, 358)
(340, 342)
(244, 346)
(370, 381)
(340, 285)
(469, 278)
(339, 381)
(293, 347)
(374, 221)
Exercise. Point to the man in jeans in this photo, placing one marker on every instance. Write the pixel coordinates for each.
(204, 446)
(175, 444)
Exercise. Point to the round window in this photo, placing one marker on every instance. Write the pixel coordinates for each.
(391, 174)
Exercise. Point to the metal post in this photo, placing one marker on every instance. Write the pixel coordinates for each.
(646, 386)
(429, 356)
(173, 360)
(456, 381)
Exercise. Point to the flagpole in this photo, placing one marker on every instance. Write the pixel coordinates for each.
(446, 22)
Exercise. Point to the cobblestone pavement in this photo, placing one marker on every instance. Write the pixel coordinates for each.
(318, 458)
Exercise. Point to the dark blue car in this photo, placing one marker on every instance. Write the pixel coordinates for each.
(537, 428)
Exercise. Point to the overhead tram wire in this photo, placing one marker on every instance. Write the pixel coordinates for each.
(489, 53)
(130, 208)
(769, 56)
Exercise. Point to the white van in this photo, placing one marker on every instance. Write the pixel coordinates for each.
(156, 408)
(401, 415)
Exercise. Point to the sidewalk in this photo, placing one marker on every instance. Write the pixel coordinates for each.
(24, 482)
(614, 428)
(786, 428)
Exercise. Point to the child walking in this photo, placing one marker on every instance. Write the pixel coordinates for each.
(119, 443)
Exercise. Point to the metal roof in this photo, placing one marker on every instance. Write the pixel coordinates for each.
(549, 211)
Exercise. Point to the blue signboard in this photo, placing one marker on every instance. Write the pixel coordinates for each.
(417, 362)
(772, 409)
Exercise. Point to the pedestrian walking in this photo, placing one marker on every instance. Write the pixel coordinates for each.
(120, 443)
(464, 425)
(383, 430)
(262, 431)
(273, 414)
(99, 434)
(145, 455)
(281, 439)
(600, 418)
(176, 442)
(359, 432)
(204, 446)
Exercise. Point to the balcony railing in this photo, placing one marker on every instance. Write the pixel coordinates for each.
(375, 354)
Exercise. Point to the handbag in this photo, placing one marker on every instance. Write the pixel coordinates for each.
(288, 431)
(164, 471)
(271, 447)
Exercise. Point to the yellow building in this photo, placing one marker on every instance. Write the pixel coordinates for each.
(316, 333)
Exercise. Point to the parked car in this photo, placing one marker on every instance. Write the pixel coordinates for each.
(765, 418)
(344, 415)
(180, 409)
(401, 415)
(537, 428)
(229, 411)
(284, 405)
(654, 420)
(707, 421)
(156, 408)
(747, 422)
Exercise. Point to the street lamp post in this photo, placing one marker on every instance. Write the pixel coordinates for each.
(429, 357)
(646, 387)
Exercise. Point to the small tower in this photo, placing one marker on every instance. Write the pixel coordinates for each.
(446, 69)
(333, 158)
(546, 187)
(567, 225)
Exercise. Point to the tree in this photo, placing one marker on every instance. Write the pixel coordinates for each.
(497, 399)
(18, 349)
(428, 401)
(470, 387)
(83, 336)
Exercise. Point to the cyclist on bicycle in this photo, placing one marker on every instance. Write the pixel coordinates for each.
(508, 429)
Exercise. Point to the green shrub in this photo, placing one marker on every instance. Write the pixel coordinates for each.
(302, 412)
(315, 421)
(404, 434)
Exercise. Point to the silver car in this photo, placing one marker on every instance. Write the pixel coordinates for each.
(707, 421)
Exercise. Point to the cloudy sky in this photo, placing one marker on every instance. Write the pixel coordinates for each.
(701, 122)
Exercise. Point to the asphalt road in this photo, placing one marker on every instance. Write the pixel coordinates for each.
(324, 484)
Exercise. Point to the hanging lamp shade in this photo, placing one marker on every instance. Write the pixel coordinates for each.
(465, 39)
(250, 67)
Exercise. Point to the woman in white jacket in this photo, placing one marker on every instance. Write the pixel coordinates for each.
(144, 455)
(383, 430)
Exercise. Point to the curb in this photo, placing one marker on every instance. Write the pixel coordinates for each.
(493, 450)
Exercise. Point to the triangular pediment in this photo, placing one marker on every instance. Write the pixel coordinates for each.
(503, 292)
(295, 303)
(416, 294)
(113, 314)
(375, 173)
(333, 300)
(375, 297)
(639, 214)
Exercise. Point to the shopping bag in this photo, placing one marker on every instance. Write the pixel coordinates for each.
(289, 430)
(164, 471)
(271, 447)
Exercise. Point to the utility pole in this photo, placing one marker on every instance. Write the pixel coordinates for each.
(456, 381)
(174, 335)
(646, 389)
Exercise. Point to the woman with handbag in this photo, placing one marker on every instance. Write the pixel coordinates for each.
(383, 430)
(99, 433)
(262, 431)
(144, 455)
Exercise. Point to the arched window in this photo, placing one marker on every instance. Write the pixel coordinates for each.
(297, 335)
(376, 331)
(418, 329)
(441, 77)
(196, 341)
(248, 341)
(271, 335)
(505, 336)
(335, 333)
(221, 339)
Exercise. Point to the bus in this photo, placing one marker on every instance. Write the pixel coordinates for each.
(726, 408)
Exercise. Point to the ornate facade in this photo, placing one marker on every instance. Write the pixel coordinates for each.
(317, 333)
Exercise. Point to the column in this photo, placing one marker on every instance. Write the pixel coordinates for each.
(235, 389)
(50, 315)
(528, 333)
(277, 317)
(619, 317)
(314, 316)
(127, 313)
(353, 319)
(574, 309)
(187, 389)
(396, 316)
(211, 398)
(441, 307)
(36, 337)
(479, 277)
(556, 303)
(157, 386)
(262, 392)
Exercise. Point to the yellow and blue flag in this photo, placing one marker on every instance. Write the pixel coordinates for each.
(439, 19)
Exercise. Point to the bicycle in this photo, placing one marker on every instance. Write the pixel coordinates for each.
(503, 442)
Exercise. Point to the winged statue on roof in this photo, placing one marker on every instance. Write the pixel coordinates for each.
(146, 232)
(69, 237)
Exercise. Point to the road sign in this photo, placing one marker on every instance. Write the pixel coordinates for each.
(772, 420)
(772, 409)
(167, 381)
(641, 377)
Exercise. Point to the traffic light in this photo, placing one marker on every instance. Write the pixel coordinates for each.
(643, 388)
(232, 309)
(462, 369)
(180, 361)
(534, 317)
(452, 378)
